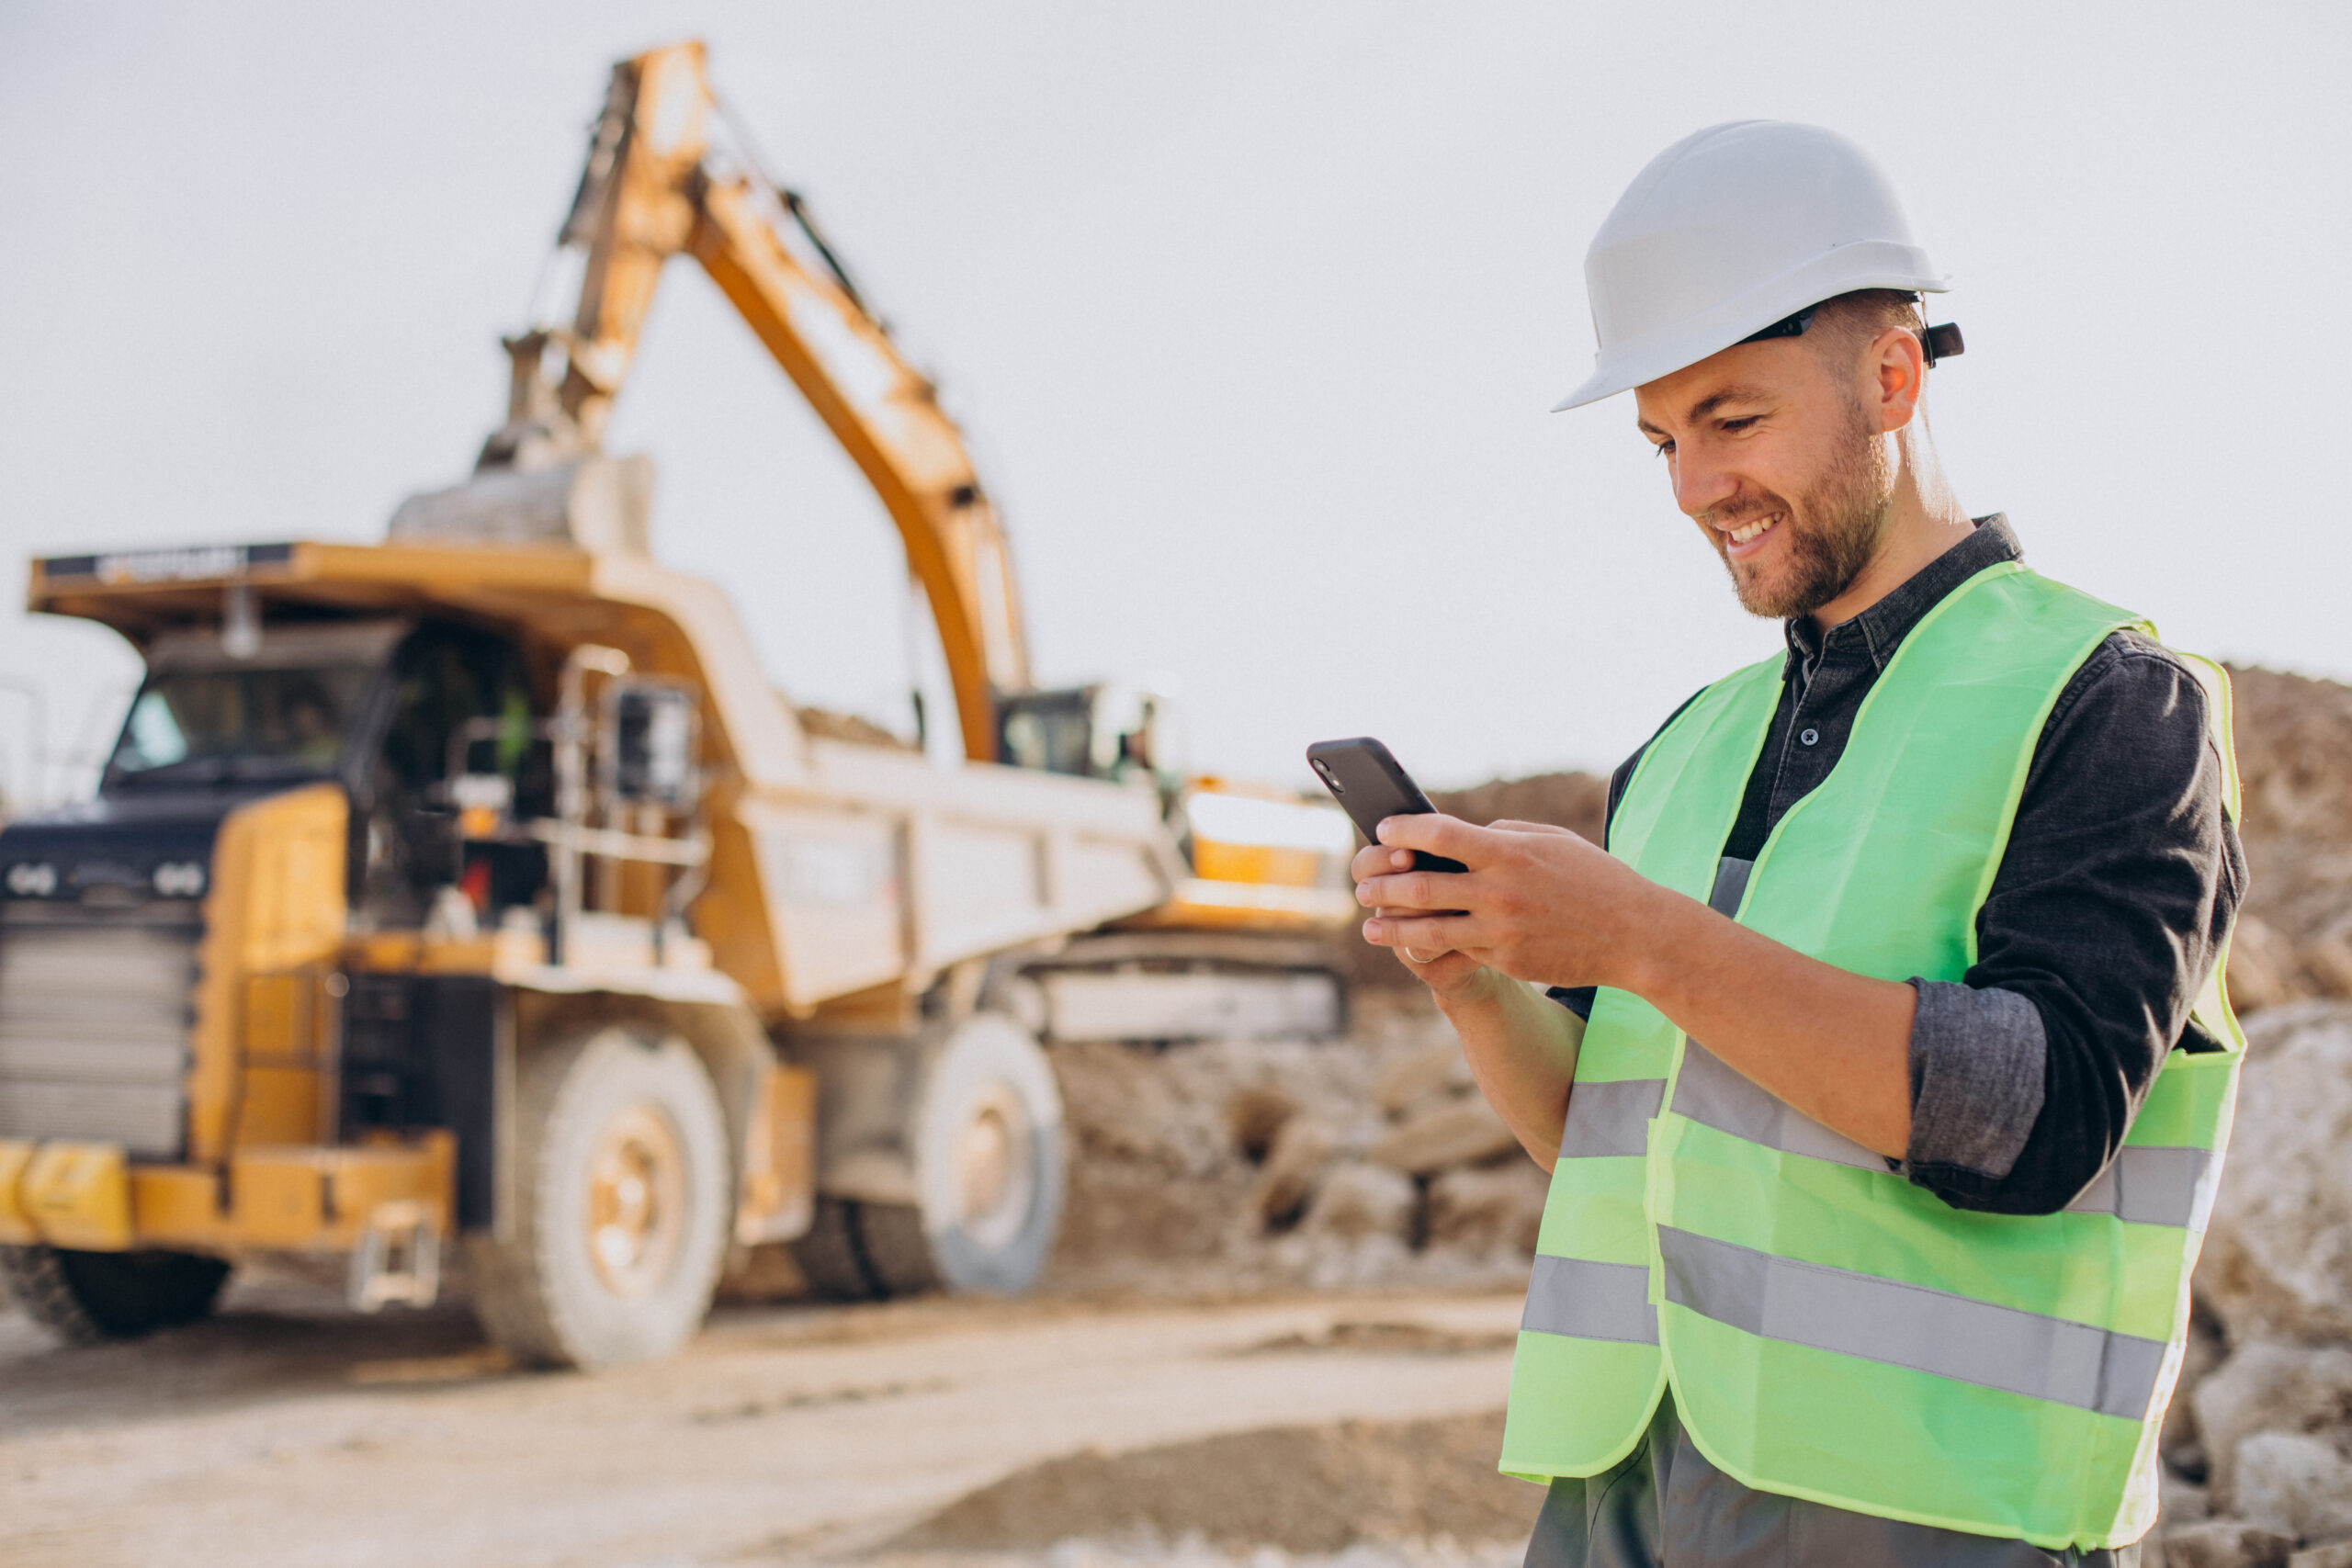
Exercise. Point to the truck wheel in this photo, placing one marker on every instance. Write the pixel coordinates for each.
(90, 1296)
(621, 1184)
(988, 1151)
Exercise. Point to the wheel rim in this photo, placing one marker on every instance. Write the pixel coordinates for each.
(636, 1200)
(996, 1175)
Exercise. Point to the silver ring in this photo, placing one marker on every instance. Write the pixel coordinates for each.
(1418, 959)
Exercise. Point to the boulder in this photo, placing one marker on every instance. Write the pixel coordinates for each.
(1255, 1114)
(2268, 1388)
(2262, 967)
(1366, 1263)
(2278, 1260)
(2295, 1483)
(1482, 1209)
(1302, 1151)
(1431, 1075)
(2181, 1502)
(2334, 1554)
(2179, 1441)
(1460, 1131)
(2225, 1543)
(2326, 963)
(1357, 1200)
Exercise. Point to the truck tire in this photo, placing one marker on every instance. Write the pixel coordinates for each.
(989, 1149)
(621, 1188)
(89, 1296)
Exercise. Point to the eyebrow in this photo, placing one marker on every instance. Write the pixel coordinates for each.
(1707, 405)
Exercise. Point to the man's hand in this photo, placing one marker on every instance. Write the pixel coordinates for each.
(1538, 903)
(1542, 905)
(1448, 973)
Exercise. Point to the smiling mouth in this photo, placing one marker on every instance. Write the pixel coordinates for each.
(1737, 540)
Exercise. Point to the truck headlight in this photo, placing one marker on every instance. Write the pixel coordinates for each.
(32, 879)
(178, 879)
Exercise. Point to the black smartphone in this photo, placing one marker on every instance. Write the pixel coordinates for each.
(1371, 785)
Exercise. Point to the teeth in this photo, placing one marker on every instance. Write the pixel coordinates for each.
(1740, 536)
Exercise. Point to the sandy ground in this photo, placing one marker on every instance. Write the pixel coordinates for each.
(288, 1432)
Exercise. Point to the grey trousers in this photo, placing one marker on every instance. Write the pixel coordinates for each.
(1665, 1506)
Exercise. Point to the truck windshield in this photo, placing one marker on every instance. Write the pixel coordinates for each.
(238, 724)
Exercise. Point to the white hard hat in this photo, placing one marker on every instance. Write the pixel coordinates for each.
(1730, 231)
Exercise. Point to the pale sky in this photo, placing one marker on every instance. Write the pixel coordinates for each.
(1252, 312)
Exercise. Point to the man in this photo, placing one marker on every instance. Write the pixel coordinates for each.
(1885, 1065)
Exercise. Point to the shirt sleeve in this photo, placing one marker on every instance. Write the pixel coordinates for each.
(2120, 882)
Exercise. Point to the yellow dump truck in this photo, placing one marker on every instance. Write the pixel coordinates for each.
(475, 887)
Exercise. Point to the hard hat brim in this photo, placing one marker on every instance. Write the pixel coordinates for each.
(1869, 264)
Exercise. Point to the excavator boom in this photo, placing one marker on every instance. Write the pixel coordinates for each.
(657, 185)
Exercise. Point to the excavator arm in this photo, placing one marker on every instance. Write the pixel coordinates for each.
(659, 183)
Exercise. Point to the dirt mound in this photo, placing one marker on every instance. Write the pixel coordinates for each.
(2294, 744)
(1295, 1488)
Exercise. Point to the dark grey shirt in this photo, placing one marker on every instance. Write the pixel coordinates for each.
(2120, 881)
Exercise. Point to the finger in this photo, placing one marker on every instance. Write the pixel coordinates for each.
(1444, 974)
(1425, 933)
(1378, 860)
(1419, 890)
(1439, 835)
(1512, 825)
(1416, 958)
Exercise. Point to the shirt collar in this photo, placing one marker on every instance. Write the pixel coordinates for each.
(1878, 631)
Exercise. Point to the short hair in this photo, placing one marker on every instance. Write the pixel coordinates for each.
(1844, 323)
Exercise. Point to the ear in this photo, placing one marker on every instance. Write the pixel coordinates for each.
(1894, 371)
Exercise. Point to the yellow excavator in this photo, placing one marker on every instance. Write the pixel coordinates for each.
(475, 888)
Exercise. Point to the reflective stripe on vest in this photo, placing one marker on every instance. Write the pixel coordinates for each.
(1590, 1300)
(1608, 1118)
(1907, 1325)
(1831, 1330)
(2154, 1186)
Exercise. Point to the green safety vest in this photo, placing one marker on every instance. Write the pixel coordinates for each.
(1831, 1331)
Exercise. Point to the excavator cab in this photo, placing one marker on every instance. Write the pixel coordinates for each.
(1100, 731)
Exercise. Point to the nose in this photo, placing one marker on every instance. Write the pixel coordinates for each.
(1702, 481)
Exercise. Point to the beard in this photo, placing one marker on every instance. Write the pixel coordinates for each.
(1834, 528)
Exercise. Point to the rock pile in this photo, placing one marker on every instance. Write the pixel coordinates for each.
(1438, 1174)
(1256, 1164)
(2294, 744)
(2258, 1444)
